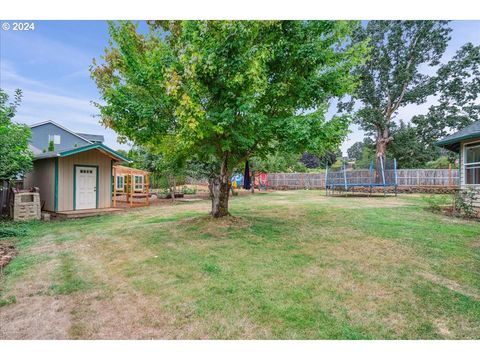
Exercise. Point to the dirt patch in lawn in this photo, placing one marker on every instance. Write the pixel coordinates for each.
(36, 314)
(48, 318)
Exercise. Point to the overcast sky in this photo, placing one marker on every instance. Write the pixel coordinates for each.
(50, 64)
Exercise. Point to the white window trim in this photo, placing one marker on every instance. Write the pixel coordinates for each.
(466, 146)
(118, 187)
(55, 138)
(138, 186)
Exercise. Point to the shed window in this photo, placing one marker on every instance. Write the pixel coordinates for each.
(120, 182)
(472, 164)
(55, 138)
(138, 182)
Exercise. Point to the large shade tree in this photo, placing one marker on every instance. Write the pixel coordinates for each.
(224, 91)
(395, 74)
(15, 157)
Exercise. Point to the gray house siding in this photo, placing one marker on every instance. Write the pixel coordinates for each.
(40, 137)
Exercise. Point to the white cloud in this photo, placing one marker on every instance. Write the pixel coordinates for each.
(40, 103)
(73, 113)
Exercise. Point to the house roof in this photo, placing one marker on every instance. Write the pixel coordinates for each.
(61, 127)
(34, 149)
(93, 142)
(100, 147)
(92, 137)
(452, 142)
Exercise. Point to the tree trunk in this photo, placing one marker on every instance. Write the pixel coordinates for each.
(253, 182)
(383, 138)
(219, 187)
(172, 187)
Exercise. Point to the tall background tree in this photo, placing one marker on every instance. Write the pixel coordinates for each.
(407, 148)
(354, 152)
(228, 90)
(15, 157)
(457, 85)
(395, 74)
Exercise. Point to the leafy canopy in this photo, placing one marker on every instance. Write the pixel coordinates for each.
(15, 157)
(457, 84)
(407, 148)
(354, 152)
(394, 76)
(221, 91)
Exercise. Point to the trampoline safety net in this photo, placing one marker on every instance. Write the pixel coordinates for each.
(381, 173)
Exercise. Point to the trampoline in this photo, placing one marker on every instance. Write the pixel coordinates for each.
(384, 174)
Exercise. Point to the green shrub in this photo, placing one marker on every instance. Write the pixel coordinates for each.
(441, 163)
(436, 202)
(9, 229)
(189, 191)
(337, 165)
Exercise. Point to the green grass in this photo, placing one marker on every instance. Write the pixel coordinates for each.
(9, 300)
(287, 265)
(23, 264)
(68, 277)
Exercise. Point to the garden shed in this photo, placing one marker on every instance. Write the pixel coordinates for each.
(72, 171)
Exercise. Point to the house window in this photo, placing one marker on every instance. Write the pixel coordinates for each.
(120, 182)
(472, 164)
(138, 182)
(54, 138)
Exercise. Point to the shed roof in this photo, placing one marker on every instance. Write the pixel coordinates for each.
(452, 142)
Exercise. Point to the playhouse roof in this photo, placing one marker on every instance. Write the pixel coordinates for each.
(125, 170)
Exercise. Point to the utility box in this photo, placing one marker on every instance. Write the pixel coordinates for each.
(26, 205)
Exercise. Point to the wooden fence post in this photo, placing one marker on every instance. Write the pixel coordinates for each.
(450, 175)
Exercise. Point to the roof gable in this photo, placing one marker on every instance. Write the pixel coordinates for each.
(42, 132)
(53, 123)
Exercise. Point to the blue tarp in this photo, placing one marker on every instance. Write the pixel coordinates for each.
(237, 180)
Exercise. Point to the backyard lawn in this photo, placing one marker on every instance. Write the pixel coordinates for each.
(287, 265)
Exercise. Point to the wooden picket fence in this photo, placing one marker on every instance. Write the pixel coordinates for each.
(296, 180)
